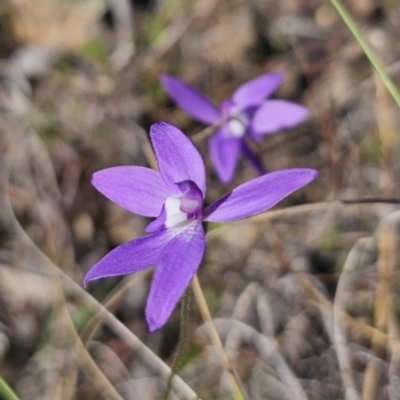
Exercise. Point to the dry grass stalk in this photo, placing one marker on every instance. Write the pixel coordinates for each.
(388, 241)
(110, 303)
(358, 328)
(268, 353)
(387, 136)
(339, 320)
(216, 340)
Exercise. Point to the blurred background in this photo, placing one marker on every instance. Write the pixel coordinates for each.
(306, 299)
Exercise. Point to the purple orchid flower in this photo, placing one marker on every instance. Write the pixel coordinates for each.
(175, 196)
(246, 113)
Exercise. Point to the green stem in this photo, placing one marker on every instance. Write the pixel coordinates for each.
(183, 335)
(390, 85)
(6, 393)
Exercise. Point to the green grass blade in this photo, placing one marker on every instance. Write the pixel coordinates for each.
(6, 393)
(348, 20)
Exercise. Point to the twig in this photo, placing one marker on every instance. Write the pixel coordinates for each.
(369, 200)
(283, 212)
(275, 214)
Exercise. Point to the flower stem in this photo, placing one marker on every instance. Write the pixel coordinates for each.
(183, 335)
(204, 134)
(348, 20)
(214, 336)
(6, 393)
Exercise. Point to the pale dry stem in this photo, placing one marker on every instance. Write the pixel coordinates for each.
(387, 136)
(340, 320)
(203, 134)
(214, 336)
(388, 241)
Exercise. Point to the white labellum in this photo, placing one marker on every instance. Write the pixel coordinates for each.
(174, 214)
(236, 128)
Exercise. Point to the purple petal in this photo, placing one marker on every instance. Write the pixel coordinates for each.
(252, 158)
(176, 268)
(131, 257)
(158, 223)
(259, 194)
(274, 115)
(253, 92)
(224, 152)
(194, 103)
(227, 106)
(178, 159)
(140, 190)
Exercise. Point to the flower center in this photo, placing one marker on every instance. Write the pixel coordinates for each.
(179, 210)
(236, 128)
(237, 124)
(173, 210)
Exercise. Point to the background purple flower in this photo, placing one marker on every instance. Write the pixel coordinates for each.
(175, 196)
(246, 113)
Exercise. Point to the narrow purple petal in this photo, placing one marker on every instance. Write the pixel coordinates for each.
(224, 152)
(252, 158)
(178, 159)
(259, 194)
(158, 223)
(274, 115)
(226, 108)
(253, 92)
(140, 190)
(131, 257)
(194, 103)
(176, 268)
